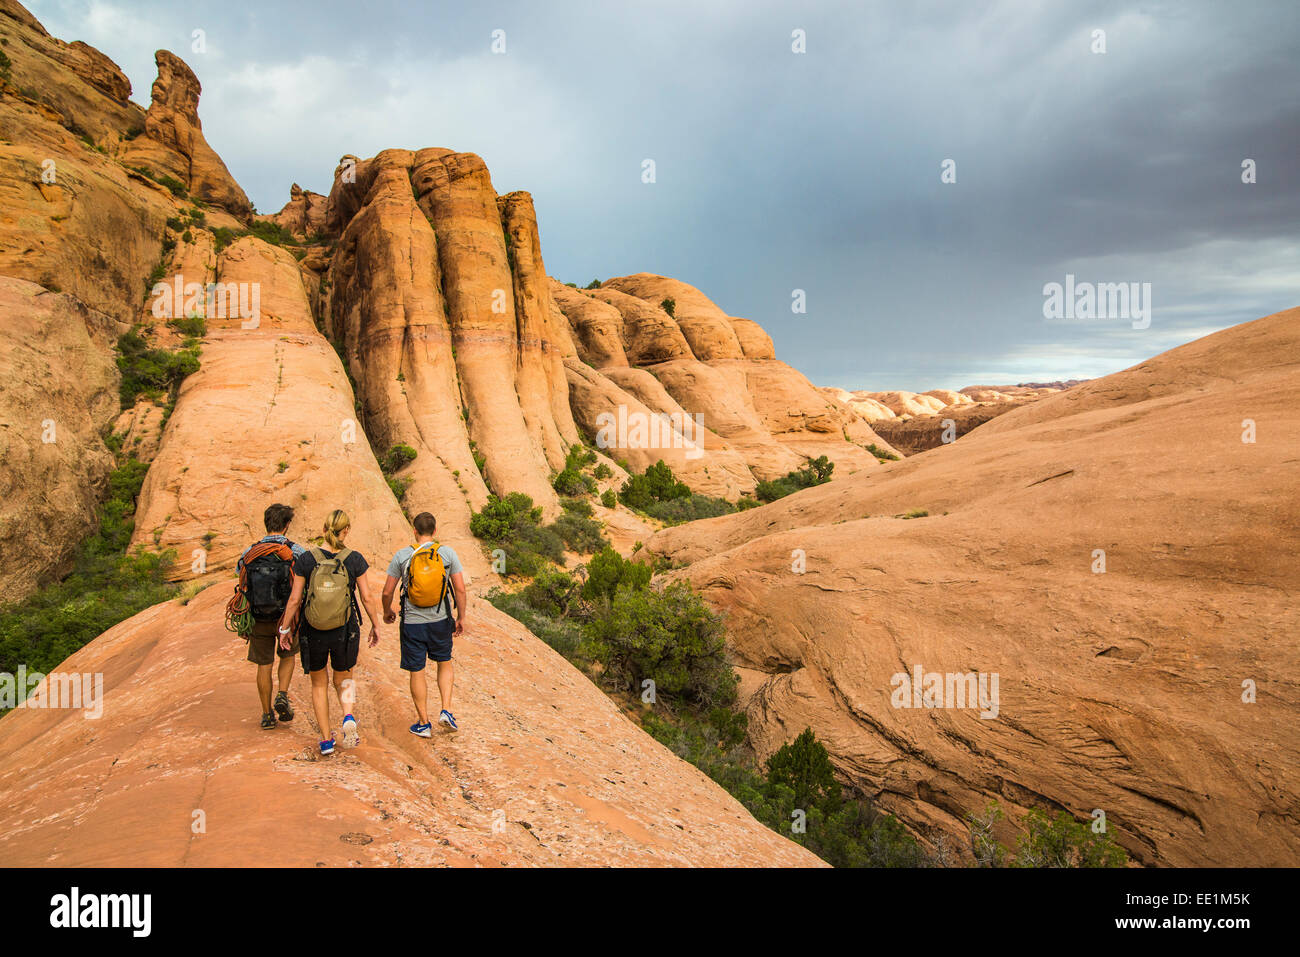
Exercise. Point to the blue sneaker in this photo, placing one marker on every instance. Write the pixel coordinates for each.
(423, 730)
(327, 747)
(350, 737)
(447, 719)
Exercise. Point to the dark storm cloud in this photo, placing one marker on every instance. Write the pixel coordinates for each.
(818, 171)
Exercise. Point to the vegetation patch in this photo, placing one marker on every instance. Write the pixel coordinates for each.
(817, 472)
(107, 585)
(621, 631)
(151, 371)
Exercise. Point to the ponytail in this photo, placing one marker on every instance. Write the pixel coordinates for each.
(335, 525)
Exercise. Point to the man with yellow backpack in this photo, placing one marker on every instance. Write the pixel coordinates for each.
(430, 576)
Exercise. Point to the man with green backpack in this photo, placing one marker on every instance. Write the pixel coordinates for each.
(430, 576)
(326, 582)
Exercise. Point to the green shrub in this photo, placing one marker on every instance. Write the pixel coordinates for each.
(1064, 842)
(671, 637)
(594, 284)
(608, 498)
(669, 306)
(603, 471)
(222, 237)
(656, 484)
(694, 506)
(271, 232)
(568, 482)
(149, 371)
(580, 533)
(557, 630)
(513, 524)
(192, 327)
(607, 570)
(881, 454)
(745, 503)
(398, 486)
(480, 459)
(817, 472)
(105, 586)
(396, 458)
(172, 183)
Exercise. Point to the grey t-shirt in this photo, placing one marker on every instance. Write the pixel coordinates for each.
(414, 613)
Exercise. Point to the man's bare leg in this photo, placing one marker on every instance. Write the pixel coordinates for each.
(264, 686)
(420, 695)
(286, 672)
(445, 671)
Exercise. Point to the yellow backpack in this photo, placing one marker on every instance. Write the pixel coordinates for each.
(426, 577)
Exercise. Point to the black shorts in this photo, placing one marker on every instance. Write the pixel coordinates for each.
(337, 649)
(426, 641)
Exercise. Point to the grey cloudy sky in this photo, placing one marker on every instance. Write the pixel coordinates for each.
(817, 171)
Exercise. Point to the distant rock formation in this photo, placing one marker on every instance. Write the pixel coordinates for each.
(173, 142)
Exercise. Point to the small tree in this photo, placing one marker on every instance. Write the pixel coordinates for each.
(804, 766)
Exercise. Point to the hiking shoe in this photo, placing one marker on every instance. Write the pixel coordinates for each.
(350, 737)
(447, 719)
(423, 730)
(268, 721)
(327, 747)
(282, 707)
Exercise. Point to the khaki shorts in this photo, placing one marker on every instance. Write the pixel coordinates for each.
(263, 644)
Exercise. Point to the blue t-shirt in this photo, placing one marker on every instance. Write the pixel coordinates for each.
(278, 539)
(414, 613)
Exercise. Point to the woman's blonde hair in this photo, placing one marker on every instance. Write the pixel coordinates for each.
(335, 525)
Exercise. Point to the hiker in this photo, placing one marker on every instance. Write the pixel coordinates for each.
(430, 575)
(265, 581)
(326, 581)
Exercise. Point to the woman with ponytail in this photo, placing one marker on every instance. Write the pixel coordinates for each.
(327, 579)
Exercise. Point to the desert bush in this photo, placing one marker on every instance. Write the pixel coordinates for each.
(150, 371)
(671, 637)
(817, 472)
(607, 570)
(106, 585)
(694, 506)
(578, 530)
(514, 524)
(397, 457)
(656, 484)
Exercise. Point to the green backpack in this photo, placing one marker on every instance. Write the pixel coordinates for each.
(329, 592)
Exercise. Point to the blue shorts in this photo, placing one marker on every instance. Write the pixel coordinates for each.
(426, 641)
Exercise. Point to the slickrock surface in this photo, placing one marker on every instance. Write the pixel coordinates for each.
(545, 771)
(1121, 690)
